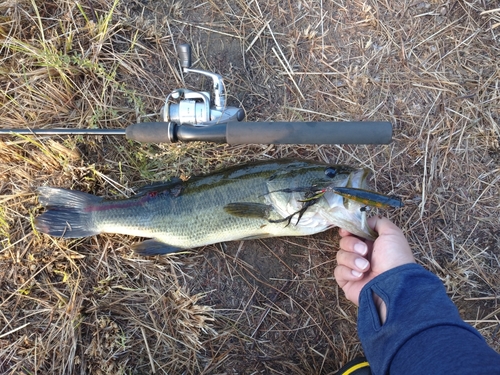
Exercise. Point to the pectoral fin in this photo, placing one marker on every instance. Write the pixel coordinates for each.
(154, 247)
(249, 209)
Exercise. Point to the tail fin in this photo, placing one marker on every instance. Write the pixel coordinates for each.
(68, 214)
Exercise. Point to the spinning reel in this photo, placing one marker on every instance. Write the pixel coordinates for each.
(184, 106)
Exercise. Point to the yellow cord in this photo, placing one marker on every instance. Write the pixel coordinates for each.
(356, 367)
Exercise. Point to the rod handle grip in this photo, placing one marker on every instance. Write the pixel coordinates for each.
(360, 132)
(151, 132)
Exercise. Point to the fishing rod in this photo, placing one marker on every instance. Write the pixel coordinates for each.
(189, 116)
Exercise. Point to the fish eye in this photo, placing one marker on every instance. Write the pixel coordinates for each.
(330, 172)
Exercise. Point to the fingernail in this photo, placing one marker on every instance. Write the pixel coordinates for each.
(361, 263)
(360, 248)
(356, 273)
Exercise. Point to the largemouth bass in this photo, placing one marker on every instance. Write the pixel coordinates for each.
(264, 199)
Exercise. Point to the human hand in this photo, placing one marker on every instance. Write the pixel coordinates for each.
(359, 261)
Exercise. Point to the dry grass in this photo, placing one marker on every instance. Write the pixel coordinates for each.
(92, 306)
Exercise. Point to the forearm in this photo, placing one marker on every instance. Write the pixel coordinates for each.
(421, 326)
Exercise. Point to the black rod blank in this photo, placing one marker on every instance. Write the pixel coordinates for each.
(62, 131)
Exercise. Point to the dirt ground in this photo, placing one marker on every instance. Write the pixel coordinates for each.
(264, 306)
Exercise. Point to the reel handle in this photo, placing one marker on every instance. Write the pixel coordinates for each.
(185, 55)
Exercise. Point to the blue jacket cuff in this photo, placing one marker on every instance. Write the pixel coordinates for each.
(416, 301)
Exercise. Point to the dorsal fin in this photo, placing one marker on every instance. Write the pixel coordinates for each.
(173, 185)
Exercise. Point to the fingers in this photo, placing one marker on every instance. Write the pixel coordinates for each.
(353, 245)
(344, 274)
(344, 232)
(350, 259)
(351, 266)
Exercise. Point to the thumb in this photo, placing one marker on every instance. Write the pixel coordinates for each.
(384, 226)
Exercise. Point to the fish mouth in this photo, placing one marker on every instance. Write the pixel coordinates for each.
(356, 179)
(353, 214)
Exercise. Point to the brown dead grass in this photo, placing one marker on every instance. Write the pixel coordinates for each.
(92, 306)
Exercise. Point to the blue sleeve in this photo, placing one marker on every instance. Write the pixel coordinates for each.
(423, 332)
